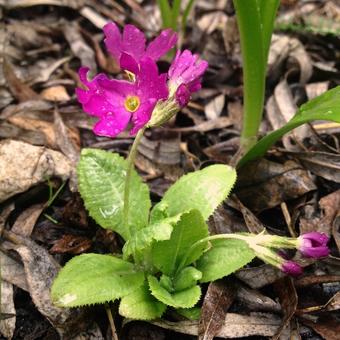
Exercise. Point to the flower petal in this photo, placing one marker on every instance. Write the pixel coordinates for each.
(112, 124)
(133, 41)
(142, 115)
(127, 62)
(291, 268)
(181, 62)
(150, 84)
(195, 71)
(103, 96)
(113, 40)
(161, 44)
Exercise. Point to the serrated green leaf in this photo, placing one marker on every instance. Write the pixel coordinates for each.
(323, 107)
(223, 258)
(184, 299)
(101, 177)
(94, 278)
(141, 305)
(186, 278)
(193, 313)
(142, 239)
(203, 190)
(167, 255)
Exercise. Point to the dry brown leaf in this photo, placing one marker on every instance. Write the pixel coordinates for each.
(79, 47)
(256, 301)
(39, 264)
(334, 302)
(219, 297)
(27, 3)
(280, 109)
(284, 47)
(212, 124)
(254, 225)
(330, 208)
(316, 89)
(13, 271)
(323, 164)
(20, 90)
(26, 221)
(71, 244)
(265, 184)
(30, 166)
(288, 298)
(260, 276)
(328, 328)
(214, 108)
(235, 325)
(68, 140)
(55, 93)
(35, 125)
(7, 326)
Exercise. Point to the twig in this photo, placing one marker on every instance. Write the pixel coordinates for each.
(112, 324)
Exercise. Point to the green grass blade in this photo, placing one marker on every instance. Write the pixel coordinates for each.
(176, 8)
(166, 13)
(323, 107)
(250, 27)
(186, 13)
(268, 9)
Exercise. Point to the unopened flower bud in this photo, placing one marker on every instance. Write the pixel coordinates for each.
(313, 244)
(291, 268)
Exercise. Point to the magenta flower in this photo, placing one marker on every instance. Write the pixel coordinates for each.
(185, 75)
(291, 268)
(118, 102)
(313, 244)
(132, 42)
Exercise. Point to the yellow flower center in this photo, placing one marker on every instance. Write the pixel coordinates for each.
(132, 103)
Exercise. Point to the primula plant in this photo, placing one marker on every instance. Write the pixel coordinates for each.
(168, 251)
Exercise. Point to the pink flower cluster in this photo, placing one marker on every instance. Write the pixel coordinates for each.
(313, 245)
(119, 102)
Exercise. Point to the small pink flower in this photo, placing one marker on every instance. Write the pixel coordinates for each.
(313, 244)
(117, 102)
(291, 268)
(133, 43)
(185, 75)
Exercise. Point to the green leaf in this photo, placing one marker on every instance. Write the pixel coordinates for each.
(323, 107)
(101, 176)
(94, 278)
(193, 313)
(159, 231)
(167, 255)
(166, 13)
(186, 278)
(203, 190)
(254, 66)
(184, 299)
(141, 305)
(223, 258)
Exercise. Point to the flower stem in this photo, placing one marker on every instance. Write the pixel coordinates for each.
(130, 165)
